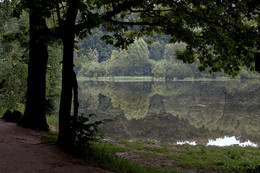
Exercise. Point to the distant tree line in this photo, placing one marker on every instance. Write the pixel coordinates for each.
(95, 59)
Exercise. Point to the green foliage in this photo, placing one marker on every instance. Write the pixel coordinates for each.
(88, 65)
(245, 74)
(206, 28)
(14, 72)
(50, 138)
(171, 51)
(156, 51)
(131, 62)
(134, 61)
(53, 78)
(170, 70)
(86, 131)
(53, 122)
(117, 65)
(222, 35)
(121, 63)
(93, 42)
(6, 11)
(160, 69)
(14, 60)
(217, 34)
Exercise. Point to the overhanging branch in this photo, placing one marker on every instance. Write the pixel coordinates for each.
(134, 23)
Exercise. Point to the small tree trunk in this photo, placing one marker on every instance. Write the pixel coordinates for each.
(74, 118)
(66, 133)
(34, 116)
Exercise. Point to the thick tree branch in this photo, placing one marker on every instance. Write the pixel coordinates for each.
(148, 11)
(134, 23)
(106, 16)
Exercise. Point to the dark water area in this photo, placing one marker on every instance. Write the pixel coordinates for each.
(195, 112)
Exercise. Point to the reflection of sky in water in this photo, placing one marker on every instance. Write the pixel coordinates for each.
(226, 141)
(187, 142)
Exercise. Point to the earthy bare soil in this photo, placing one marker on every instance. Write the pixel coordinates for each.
(21, 151)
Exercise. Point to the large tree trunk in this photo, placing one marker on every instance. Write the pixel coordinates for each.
(66, 133)
(34, 116)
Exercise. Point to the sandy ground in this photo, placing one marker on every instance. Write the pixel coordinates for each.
(21, 151)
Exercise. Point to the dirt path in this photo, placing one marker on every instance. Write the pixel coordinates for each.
(21, 151)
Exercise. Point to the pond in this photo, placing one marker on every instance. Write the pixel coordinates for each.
(195, 112)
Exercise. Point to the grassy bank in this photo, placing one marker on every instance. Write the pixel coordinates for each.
(121, 79)
(147, 156)
(200, 157)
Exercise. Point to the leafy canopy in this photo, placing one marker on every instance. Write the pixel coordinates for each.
(220, 34)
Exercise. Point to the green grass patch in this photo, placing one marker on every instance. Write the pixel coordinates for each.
(146, 156)
(104, 155)
(50, 138)
(209, 158)
(53, 122)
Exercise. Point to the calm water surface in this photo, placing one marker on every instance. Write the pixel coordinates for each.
(202, 112)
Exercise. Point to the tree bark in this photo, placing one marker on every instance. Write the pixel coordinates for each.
(66, 136)
(34, 116)
(257, 62)
(75, 105)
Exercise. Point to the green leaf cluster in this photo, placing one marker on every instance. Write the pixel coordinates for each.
(14, 43)
(87, 131)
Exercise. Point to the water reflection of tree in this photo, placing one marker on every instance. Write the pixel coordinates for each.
(132, 98)
(178, 110)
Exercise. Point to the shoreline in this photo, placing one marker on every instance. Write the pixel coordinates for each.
(152, 79)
